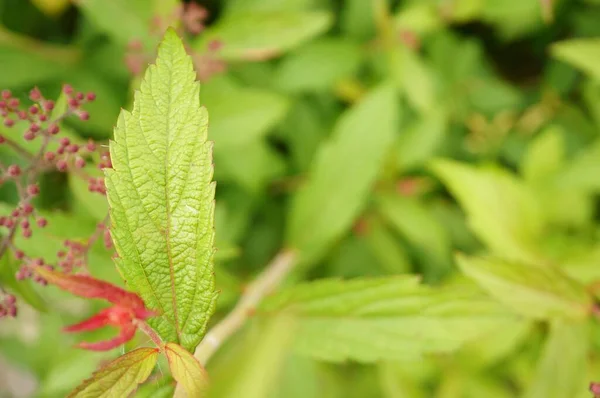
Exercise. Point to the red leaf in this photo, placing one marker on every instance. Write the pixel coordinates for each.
(126, 334)
(90, 287)
(93, 323)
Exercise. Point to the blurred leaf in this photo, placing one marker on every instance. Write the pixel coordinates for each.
(367, 320)
(358, 19)
(186, 370)
(244, 6)
(120, 377)
(561, 370)
(414, 77)
(122, 20)
(391, 254)
(419, 18)
(539, 292)
(500, 209)
(413, 220)
(164, 233)
(263, 35)
(251, 166)
(497, 345)
(584, 54)
(241, 116)
(421, 140)
(395, 384)
(581, 174)
(51, 7)
(319, 65)
(253, 371)
(545, 155)
(320, 215)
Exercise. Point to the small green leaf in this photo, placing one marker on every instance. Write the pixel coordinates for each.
(263, 35)
(319, 65)
(540, 292)
(244, 120)
(561, 371)
(162, 199)
(349, 161)
(383, 318)
(411, 218)
(545, 155)
(122, 20)
(421, 140)
(120, 377)
(186, 370)
(583, 53)
(501, 210)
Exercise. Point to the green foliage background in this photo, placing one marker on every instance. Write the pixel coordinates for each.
(378, 138)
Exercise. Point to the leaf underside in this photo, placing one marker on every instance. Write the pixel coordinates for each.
(162, 199)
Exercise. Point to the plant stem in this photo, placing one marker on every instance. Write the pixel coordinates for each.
(272, 276)
(144, 327)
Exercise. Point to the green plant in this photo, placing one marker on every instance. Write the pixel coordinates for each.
(406, 201)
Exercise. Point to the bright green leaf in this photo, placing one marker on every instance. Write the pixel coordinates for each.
(349, 162)
(263, 35)
(540, 292)
(186, 370)
(583, 53)
(162, 199)
(383, 318)
(120, 377)
(561, 371)
(501, 210)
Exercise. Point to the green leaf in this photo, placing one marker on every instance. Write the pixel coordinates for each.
(383, 318)
(584, 54)
(411, 218)
(540, 292)
(253, 368)
(545, 155)
(320, 214)
(421, 140)
(263, 35)
(501, 210)
(161, 197)
(244, 120)
(561, 371)
(120, 377)
(186, 370)
(319, 65)
(122, 20)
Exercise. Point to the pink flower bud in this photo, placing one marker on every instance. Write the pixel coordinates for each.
(33, 109)
(90, 96)
(61, 165)
(33, 189)
(35, 94)
(14, 170)
(53, 129)
(48, 105)
(9, 122)
(41, 222)
(67, 89)
(79, 163)
(6, 94)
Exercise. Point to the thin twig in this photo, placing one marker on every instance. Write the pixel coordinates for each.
(265, 283)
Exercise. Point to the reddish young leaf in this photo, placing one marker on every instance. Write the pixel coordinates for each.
(127, 309)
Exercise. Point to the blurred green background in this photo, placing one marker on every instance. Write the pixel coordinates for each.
(507, 89)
